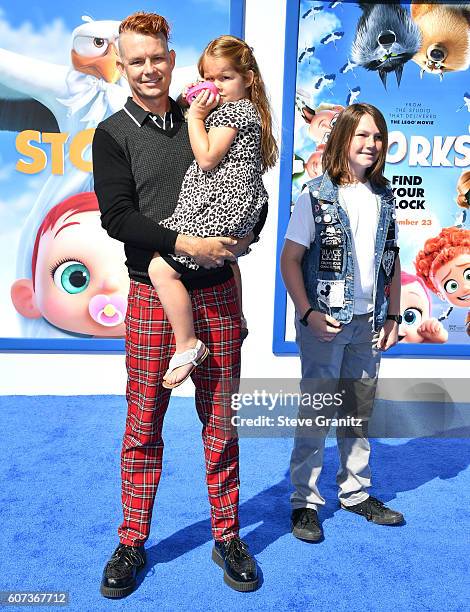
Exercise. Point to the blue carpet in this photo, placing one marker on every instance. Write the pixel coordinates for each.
(60, 509)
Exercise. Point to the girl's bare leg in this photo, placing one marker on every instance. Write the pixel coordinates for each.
(177, 305)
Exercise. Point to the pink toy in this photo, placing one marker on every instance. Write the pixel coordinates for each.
(195, 90)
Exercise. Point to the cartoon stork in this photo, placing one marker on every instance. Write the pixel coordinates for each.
(42, 95)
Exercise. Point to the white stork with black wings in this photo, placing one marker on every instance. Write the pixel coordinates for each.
(42, 95)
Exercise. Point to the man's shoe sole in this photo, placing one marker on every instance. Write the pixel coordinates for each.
(115, 593)
(244, 587)
(306, 536)
(398, 520)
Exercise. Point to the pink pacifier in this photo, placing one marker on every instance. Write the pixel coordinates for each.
(195, 90)
(108, 310)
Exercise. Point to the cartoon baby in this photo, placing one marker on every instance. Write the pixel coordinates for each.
(415, 307)
(321, 120)
(444, 266)
(79, 281)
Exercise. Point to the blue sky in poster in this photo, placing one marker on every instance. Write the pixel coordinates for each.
(440, 102)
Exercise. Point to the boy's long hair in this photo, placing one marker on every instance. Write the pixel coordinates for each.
(336, 155)
(242, 60)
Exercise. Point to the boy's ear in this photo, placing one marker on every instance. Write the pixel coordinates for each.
(23, 298)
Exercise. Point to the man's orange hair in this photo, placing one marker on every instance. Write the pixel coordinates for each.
(150, 24)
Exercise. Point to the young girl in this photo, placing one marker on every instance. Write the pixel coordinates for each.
(341, 268)
(444, 266)
(223, 192)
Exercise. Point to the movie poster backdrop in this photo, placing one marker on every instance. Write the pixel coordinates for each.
(63, 281)
(411, 61)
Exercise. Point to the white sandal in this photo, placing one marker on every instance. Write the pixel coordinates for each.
(181, 359)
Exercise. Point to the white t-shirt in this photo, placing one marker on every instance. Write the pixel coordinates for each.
(362, 207)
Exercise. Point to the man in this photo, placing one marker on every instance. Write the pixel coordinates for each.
(140, 157)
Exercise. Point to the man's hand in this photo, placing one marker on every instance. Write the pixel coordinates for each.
(241, 244)
(212, 252)
(323, 327)
(388, 335)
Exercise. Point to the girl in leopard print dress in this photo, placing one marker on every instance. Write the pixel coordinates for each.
(223, 192)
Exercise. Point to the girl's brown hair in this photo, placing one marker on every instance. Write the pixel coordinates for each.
(336, 155)
(242, 59)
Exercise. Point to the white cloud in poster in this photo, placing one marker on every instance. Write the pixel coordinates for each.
(15, 209)
(50, 42)
(186, 55)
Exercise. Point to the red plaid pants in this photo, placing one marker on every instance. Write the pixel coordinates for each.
(149, 346)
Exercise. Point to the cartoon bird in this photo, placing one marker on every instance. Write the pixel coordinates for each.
(466, 102)
(76, 97)
(50, 97)
(348, 66)
(386, 38)
(307, 53)
(326, 79)
(312, 12)
(332, 38)
(353, 95)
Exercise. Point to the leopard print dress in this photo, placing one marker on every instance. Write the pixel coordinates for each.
(227, 200)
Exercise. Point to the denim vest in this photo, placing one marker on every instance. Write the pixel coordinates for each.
(328, 265)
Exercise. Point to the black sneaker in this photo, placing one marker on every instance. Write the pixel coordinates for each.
(376, 511)
(305, 524)
(240, 570)
(121, 570)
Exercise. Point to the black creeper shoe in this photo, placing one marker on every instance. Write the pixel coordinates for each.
(119, 575)
(376, 511)
(240, 570)
(305, 525)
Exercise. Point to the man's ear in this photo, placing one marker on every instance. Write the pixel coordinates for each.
(120, 67)
(23, 298)
(172, 55)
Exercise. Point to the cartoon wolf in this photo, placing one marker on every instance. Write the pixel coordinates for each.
(386, 38)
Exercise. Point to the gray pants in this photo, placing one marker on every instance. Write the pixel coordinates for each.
(349, 365)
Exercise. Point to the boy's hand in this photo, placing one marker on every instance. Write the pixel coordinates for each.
(323, 327)
(202, 105)
(388, 335)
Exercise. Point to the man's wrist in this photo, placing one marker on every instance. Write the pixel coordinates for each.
(393, 317)
(186, 245)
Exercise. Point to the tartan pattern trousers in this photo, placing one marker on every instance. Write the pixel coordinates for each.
(149, 346)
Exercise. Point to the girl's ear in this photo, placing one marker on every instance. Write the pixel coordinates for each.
(249, 78)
